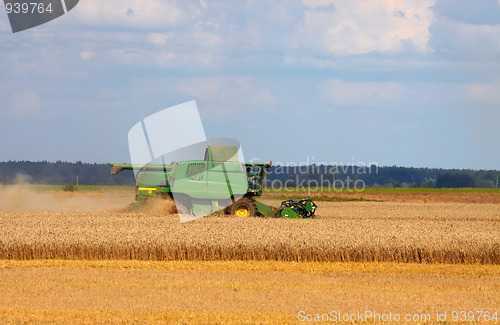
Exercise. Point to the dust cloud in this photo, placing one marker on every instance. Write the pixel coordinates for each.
(25, 198)
(155, 206)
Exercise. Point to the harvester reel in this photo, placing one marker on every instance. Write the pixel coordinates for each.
(298, 209)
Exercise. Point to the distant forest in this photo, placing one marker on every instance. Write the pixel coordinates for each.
(60, 173)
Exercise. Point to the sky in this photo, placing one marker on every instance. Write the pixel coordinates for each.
(408, 83)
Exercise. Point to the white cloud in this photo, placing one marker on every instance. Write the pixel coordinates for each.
(180, 33)
(87, 55)
(442, 96)
(231, 92)
(158, 38)
(369, 94)
(130, 13)
(336, 27)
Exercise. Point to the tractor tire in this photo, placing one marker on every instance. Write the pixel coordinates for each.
(183, 210)
(244, 208)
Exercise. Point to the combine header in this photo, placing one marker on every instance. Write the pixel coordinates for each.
(203, 186)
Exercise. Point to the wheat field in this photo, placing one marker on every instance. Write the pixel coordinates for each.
(235, 292)
(344, 232)
(87, 258)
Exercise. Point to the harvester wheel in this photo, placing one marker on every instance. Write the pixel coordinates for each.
(244, 208)
(183, 206)
(182, 210)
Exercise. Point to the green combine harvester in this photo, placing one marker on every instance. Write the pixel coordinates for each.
(217, 183)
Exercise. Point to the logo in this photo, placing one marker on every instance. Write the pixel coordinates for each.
(28, 14)
(172, 157)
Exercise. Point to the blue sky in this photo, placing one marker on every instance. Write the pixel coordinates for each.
(408, 83)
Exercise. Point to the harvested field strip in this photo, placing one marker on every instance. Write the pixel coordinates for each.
(471, 270)
(317, 197)
(89, 292)
(421, 197)
(384, 190)
(29, 316)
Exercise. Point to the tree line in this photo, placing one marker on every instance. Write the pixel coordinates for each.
(387, 176)
(60, 173)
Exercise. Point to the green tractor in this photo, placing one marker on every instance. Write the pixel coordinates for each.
(217, 183)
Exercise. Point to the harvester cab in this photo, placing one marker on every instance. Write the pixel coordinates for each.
(202, 187)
